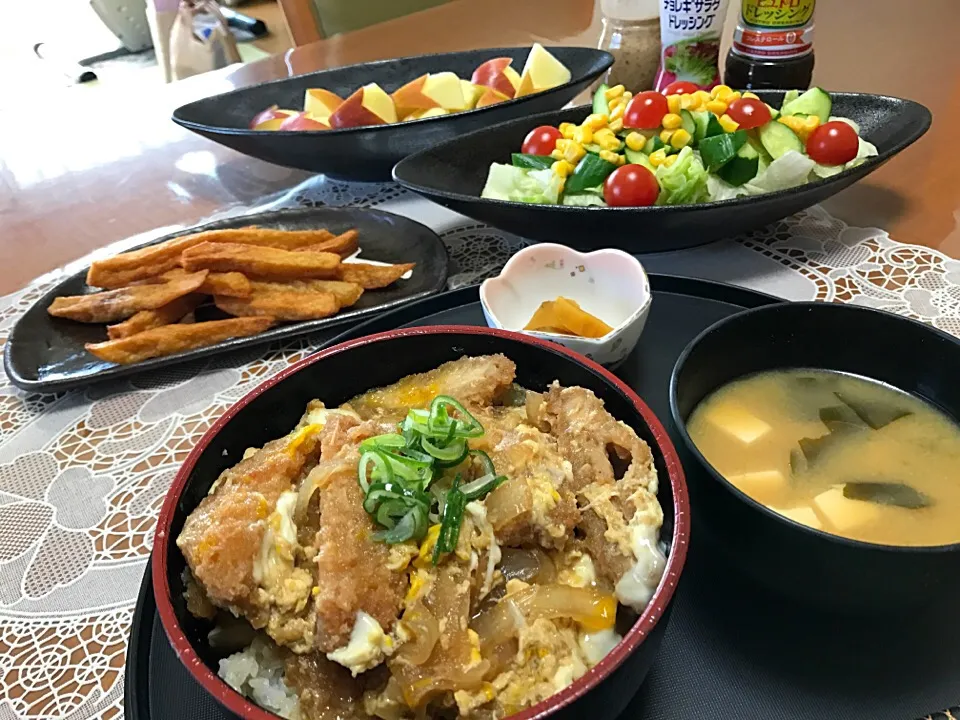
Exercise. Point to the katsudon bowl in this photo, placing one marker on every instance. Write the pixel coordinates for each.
(342, 372)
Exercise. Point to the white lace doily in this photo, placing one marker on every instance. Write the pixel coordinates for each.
(83, 474)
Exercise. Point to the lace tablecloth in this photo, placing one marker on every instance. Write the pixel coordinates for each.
(83, 474)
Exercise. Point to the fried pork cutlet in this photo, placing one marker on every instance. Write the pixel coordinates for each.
(352, 569)
(223, 536)
(592, 439)
(535, 505)
(473, 381)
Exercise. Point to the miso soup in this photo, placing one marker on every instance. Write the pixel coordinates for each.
(838, 453)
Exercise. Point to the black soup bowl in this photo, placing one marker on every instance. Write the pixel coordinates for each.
(811, 566)
(337, 374)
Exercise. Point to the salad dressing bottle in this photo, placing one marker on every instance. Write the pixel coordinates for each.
(631, 33)
(772, 45)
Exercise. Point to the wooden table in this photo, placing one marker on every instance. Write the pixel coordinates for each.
(74, 176)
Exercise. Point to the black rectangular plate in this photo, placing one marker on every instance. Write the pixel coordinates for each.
(46, 354)
(730, 652)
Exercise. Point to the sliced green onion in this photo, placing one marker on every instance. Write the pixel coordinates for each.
(401, 532)
(450, 524)
(468, 425)
(455, 452)
(480, 487)
(376, 463)
(485, 462)
(379, 442)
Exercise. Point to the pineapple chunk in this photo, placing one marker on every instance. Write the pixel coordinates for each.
(842, 512)
(803, 515)
(734, 420)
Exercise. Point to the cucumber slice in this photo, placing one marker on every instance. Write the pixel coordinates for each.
(789, 96)
(687, 122)
(600, 104)
(592, 148)
(653, 144)
(590, 172)
(707, 125)
(718, 150)
(533, 162)
(813, 102)
(743, 167)
(777, 139)
(701, 120)
(774, 113)
(636, 157)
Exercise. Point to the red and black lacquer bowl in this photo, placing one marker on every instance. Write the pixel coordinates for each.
(340, 372)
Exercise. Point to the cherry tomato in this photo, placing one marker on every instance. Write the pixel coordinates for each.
(679, 87)
(631, 186)
(833, 143)
(645, 111)
(541, 140)
(749, 113)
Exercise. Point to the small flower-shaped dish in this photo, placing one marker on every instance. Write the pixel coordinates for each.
(610, 284)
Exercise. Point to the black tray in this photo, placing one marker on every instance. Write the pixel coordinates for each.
(731, 652)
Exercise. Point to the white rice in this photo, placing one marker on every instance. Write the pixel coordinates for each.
(257, 673)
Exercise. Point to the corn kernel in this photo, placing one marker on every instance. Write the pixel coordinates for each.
(671, 159)
(611, 157)
(617, 112)
(665, 136)
(673, 104)
(636, 141)
(573, 152)
(704, 96)
(557, 154)
(614, 92)
(562, 168)
(686, 101)
(658, 157)
(566, 129)
(735, 95)
(616, 125)
(728, 123)
(606, 139)
(717, 107)
(720, 92)
(671, 121)
(750, 95)
(681, 138)
(627, 95)
(583, 135)
(595, 121)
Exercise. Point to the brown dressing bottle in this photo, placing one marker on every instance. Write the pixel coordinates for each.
(772, 45)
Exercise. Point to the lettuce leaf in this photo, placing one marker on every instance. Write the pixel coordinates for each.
(865, 150)
(506, 182)
(584, 199)
(789, 170)
(684, 182)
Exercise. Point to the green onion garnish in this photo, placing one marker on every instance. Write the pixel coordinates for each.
(396, 472)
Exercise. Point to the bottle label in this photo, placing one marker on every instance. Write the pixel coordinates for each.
(690, 42)
(774, 28)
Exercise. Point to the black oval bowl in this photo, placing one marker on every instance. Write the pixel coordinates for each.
(809, 565)
(453, 174)
(368, 153)
(340, 372)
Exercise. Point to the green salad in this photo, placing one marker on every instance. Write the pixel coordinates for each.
(688, 147)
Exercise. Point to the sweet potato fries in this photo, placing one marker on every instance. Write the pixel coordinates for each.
(259, 276)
